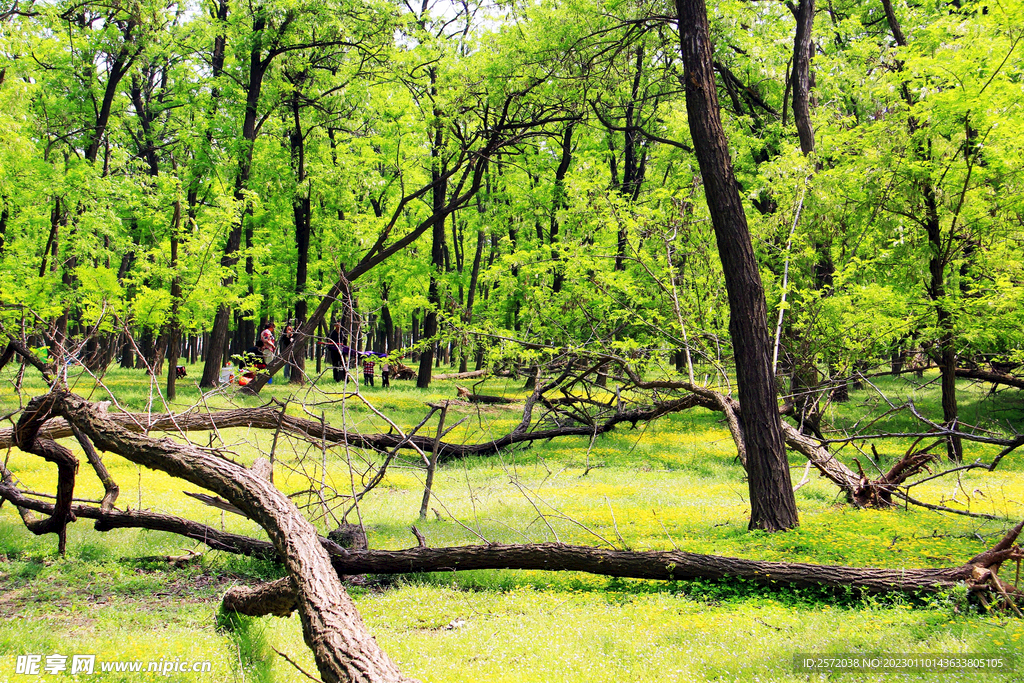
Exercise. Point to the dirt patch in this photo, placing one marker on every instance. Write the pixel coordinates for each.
(11, 600)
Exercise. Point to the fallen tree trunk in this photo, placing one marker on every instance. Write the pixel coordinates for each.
(342, 647)
(993, 377)
(275, 597)
(464, 375)
(858, 488)
(278, 597)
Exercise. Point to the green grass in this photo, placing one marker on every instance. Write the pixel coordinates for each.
(671, 484)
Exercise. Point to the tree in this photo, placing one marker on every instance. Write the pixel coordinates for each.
(773, 506)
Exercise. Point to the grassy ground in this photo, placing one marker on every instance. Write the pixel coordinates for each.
(671, 484)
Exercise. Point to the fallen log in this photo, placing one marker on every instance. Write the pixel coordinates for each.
(859, 489)
(993, 377)
(279, 598)
(275, 597)
(463, 375)
(400, 371)
(107, 520)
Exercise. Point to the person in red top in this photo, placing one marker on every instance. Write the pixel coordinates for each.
(267, 343)
(368, 372)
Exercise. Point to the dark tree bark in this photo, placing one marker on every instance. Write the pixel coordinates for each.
(993, 377)
(773, 506)
(107, 520)
(56, 217)
(302, 211)
(802, 75)
(474, 279)
(27, 438)
(278, 597)
(5, 213)
(270, 418)
(558, 203)
(944, 318)
(173, 329)
(439, 214)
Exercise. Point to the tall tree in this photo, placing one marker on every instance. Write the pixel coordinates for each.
(772, 504)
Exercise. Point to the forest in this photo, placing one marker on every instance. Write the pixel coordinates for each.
(687, 309)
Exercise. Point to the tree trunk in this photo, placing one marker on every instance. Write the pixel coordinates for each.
(558, 203)
(802, 53)
(994, 377)
(438, 195)
(773, 506)
(5, 212)
(937, 293)
(302, 212)
(481, 239)
(279, 597)
(173, 328)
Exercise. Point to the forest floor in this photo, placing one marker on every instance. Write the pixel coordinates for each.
(671, 484)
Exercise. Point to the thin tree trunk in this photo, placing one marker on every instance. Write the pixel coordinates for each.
(558, 203)
(802, 48)
(936, 263)
(481, 239)
(173, 329)
(438, 195)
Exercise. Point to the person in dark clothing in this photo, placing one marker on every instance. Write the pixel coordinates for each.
(286, 341)
(334, 355)
(385, 374)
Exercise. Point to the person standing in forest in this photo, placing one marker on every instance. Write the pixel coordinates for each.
(368, 371)
(286, 341)
(268, 345)
(385, 373)
(334, 351)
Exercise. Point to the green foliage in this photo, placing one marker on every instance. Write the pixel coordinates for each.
(616, 254)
